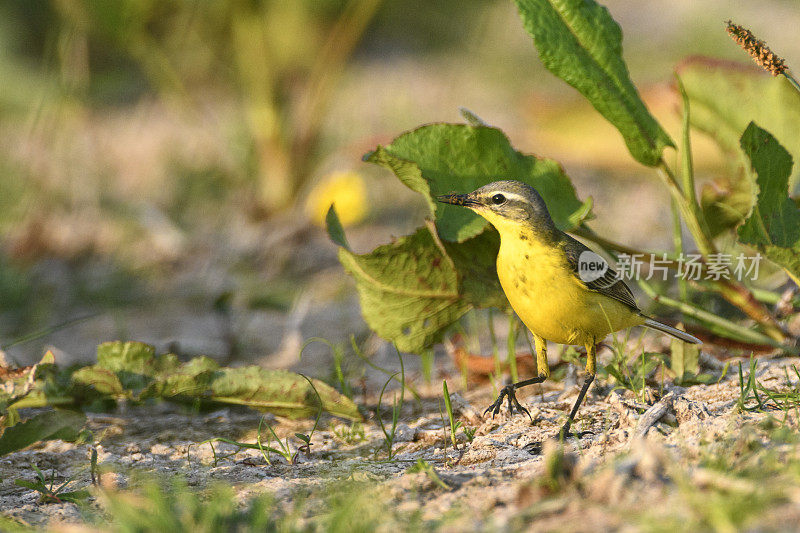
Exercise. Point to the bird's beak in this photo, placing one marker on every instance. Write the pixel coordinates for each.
(457, 199)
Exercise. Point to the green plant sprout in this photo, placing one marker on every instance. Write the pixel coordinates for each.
(349, 435)
(389, 435)
(284, 447)
(266, 451)
(360, 354)
(306, 438)
(49, 492)
(448, 406)
(426, 468)
(469, 433)
(338, 358)
(748, 390)
(754, 396)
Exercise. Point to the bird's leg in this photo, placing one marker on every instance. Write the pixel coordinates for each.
(509, 391)
(591, 362)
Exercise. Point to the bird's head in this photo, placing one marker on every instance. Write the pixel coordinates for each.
(507, 204)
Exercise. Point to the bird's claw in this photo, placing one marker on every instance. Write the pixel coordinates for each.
(507, 392)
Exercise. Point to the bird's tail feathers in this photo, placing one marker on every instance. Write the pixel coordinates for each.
(674, 332)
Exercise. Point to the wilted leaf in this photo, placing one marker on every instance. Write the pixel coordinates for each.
(280, 392)
(579, 42)
(65, 425)
(104, 381)
(191, 379)
(774, 224)
(444, 158)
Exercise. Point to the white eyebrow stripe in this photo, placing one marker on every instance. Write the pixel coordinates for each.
(510, 195)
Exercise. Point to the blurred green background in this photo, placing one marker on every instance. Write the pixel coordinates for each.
(164, 164)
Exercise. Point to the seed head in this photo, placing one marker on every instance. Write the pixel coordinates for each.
(757, 49)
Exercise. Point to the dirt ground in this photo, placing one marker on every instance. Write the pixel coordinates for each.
(629, 472)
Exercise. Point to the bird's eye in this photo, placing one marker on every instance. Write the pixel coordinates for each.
(498, 199)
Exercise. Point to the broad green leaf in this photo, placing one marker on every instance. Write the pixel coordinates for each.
(444, 158)
(135, 357)
(774, 224)
(579, 42)
(725, 97)
(280, 392)
(475, 260)
(65, 425)
(132, 362)
(409, 290)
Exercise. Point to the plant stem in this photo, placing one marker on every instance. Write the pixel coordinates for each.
(769, 297)
(687, 176)
(789, 76)
(677, 240)
(498, 366)
(512, 347)
(732, 291)
(690, 211)
(741, 332)
(687, 161)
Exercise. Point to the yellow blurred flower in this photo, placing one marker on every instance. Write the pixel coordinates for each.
(346, 191)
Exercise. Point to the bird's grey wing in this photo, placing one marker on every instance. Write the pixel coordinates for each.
(608, 284)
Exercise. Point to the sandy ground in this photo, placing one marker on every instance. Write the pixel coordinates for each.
(497, 480)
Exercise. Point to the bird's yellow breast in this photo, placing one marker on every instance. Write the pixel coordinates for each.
(549, 297)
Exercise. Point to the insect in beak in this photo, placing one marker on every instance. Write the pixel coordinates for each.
(457, 199)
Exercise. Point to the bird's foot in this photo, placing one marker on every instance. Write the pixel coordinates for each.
(507, 392)
(565, 434)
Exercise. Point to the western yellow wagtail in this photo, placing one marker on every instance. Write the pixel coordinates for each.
(541, 271)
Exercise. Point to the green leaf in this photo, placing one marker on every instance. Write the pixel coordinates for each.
(132, 362)
(32, 485)
(475, 261)
(774, 224)
(279, 392)
(135, 357)
(725, 97)
(335, 228)
(443, 158)
(74, 496)
(47, 496)
(579, 42)
(412, 290)
(65, 425)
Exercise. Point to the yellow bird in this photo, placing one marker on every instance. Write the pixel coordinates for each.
(562, 291)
